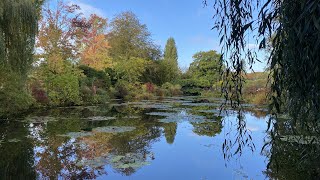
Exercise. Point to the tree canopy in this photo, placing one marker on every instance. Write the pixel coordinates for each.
(203, 73)
(128, 38)
(206, 65)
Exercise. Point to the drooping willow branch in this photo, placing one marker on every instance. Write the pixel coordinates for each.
(292, 29)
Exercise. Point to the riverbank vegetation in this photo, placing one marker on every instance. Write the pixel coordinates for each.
(76, 60)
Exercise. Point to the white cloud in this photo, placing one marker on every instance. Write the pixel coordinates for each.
(87, 9)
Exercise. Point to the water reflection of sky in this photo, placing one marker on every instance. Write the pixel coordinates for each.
(200, 157)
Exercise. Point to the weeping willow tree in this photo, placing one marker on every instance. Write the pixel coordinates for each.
(293, 29)
(18, 27)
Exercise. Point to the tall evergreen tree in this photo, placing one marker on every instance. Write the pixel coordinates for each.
(171, 52)
(170, 62)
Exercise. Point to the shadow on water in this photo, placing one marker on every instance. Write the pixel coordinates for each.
(140, 140)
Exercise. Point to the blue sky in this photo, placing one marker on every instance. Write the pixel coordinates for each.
(187, 21)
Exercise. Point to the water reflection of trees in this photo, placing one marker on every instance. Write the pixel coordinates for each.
(61, 156)
(293, 161)
(293, 153)
(207, 128)
(16, 157)
(170, 131)
(45, 154)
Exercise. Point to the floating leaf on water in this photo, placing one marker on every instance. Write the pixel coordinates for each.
(189, 118)
(116, 105)
(130, 160)
(116, 158)
(76, 134)
(153, 106)
(134, 165)
(101, 118)
(176, 101)
(132, 117)
(93, 163)
(216, 112)
(39, 119)
(165, 114)
(113, 129)
(178, 109)
(178, 117)
(107, 129)
(14, 140)
(202, 104)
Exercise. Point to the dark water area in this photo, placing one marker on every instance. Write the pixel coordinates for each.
(175, 138)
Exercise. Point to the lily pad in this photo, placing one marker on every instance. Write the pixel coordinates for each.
(14, 140)
(101, 118)
(76, 134)
(153, 106)
(93, 163)
(130, 160)
(202, 104)
(39, 119)
(132, 117)
(216, 112)
(114, 129)
(189, 118)
(165, 114)
(178, 117)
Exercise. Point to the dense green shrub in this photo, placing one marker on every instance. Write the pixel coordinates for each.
(93, 77)
(13, 96)
(63, 89)
(121, 89)
(171, 89)
(190, 87)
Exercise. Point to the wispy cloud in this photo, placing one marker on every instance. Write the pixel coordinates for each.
(87, 9)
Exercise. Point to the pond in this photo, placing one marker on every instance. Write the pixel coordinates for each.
(175, 138)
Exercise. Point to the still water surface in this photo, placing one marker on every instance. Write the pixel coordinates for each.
(175, 138)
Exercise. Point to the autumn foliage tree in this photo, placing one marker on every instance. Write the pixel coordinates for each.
(95, 52)
(60, 31)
